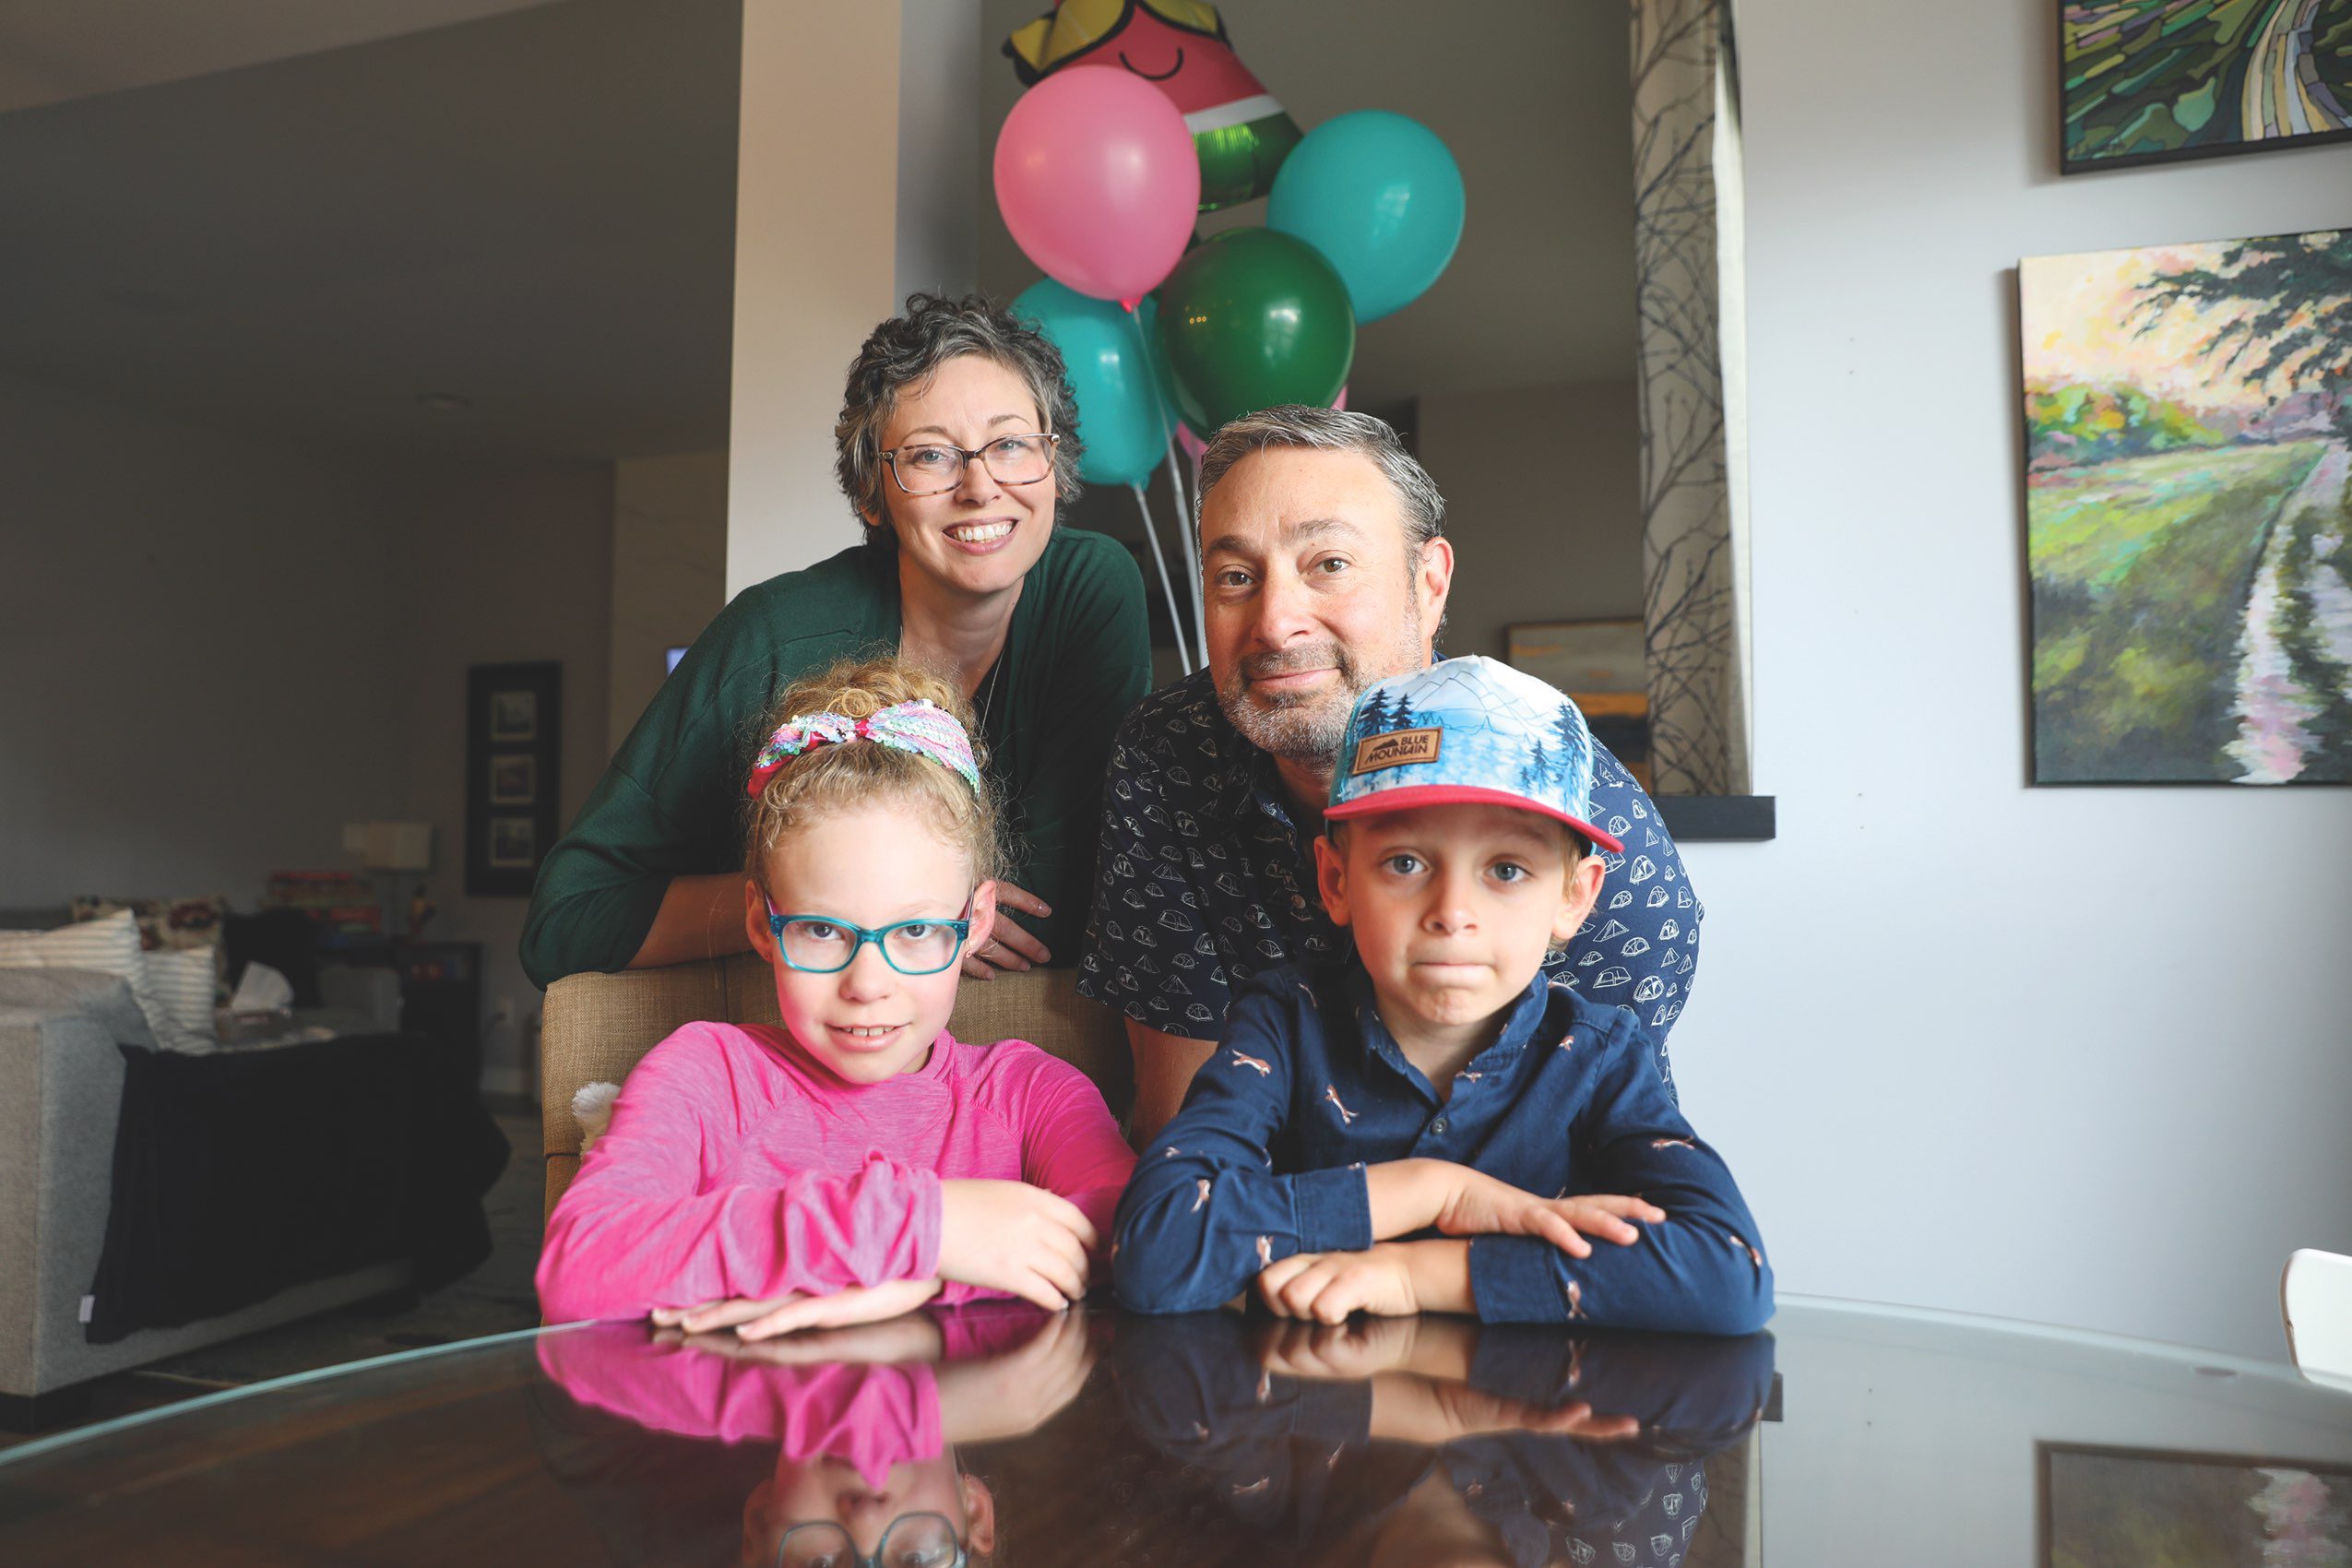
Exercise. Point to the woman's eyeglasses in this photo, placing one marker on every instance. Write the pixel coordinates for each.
(933, 467)
(819, 944)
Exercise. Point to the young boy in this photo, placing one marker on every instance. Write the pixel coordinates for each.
(1430, 1126)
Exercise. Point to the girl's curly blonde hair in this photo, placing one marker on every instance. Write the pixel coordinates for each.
(860, 773)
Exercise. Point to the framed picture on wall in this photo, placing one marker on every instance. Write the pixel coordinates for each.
(2127, 1507)
(2154, 81)
(2186, 511)
(1603, 667)
(514, 778)
(514, 737)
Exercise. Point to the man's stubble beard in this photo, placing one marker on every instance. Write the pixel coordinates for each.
(1307, 729)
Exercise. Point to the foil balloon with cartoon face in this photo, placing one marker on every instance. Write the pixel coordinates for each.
(1241, 133)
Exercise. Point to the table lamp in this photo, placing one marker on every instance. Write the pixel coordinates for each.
(405, 847)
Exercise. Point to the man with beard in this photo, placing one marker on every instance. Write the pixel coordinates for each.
(1324, 569)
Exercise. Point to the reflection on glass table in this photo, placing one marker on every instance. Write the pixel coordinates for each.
(1001, 1435)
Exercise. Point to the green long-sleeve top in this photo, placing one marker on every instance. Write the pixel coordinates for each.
(672, 803)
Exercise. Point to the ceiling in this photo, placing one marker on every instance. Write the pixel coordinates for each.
(511, 233)
(1533, 99)
(49, 53)
(531, 214)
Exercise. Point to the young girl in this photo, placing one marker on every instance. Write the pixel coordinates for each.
(859, 1160)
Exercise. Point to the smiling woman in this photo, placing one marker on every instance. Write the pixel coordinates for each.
(957, 441)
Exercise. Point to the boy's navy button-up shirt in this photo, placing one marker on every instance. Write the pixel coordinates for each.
(1297, 1457)
(1204, 877)
(1267, 1159)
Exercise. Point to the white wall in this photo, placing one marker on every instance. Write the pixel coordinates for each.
(195, 634)
(816, 253)
(1542, 489)
(941, 161)
(2075, 1055)
(220, 649)
(507, 566)
(668, 572)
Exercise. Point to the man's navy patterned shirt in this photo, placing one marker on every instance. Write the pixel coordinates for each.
(1206, 876)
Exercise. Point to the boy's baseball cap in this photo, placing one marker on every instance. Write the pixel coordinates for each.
(1468, 730)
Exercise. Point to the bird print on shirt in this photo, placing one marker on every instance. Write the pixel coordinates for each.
(1331, 1093)
(1202, 1196)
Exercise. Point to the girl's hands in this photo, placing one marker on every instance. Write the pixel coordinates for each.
(1006, 1396)
(911, 1337)
(1012, 1237)
(788, 1314)
(1479, 1205)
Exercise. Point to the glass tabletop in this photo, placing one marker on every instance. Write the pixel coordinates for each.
(1001, 1435)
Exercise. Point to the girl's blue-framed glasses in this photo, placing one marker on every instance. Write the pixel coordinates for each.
(819, 944)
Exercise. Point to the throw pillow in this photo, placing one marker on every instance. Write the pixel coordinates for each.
(183, 984)
(109, 945)
(165, 924)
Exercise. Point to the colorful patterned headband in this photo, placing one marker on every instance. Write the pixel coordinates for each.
(919, 726)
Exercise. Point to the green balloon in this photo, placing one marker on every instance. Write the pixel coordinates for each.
(1252, 318)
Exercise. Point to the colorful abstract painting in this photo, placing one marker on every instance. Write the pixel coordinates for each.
(2147, 80)
(2119, 1508)
(2188, 416)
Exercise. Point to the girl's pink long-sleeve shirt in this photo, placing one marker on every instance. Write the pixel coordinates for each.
(735, 1168)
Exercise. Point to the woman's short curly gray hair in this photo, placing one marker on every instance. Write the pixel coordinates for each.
(906, 350)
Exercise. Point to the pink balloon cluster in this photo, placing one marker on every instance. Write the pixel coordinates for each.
(1099, 181)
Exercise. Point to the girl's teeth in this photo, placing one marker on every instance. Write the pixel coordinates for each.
(979, 533)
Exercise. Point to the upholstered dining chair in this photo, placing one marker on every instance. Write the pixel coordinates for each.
(2315, 1296)
(595, 1027)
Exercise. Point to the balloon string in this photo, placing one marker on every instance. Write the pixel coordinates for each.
(1188, 526)
(1175, 613)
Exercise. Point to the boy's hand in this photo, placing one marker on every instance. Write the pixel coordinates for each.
(1344, 1352)
(1012, 1237)
(1424, 1410)
(1326, 1287)
(1480, 1204)
(792, 1313)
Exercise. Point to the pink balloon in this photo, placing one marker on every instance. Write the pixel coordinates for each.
(1099, 181)
(1339, 404)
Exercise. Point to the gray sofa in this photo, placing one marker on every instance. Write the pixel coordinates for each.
(61, 1084)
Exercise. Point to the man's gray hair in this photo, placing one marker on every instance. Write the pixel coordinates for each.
(1330, 430)
(906, 350)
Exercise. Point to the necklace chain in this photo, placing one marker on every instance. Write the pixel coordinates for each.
(988, 688)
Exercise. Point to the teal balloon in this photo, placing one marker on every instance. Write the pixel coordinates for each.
(1122, 418)
(1250, 319)
(1381, 197)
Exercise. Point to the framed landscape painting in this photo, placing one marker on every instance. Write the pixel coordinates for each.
(2129, 1508)
(2188, 450)
(2147, 81)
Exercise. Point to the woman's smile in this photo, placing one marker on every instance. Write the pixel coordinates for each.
(982, 536)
